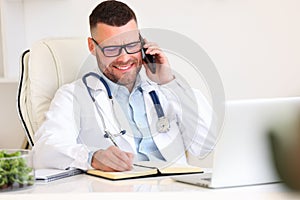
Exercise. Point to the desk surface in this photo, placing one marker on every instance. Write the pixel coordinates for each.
(89, 187)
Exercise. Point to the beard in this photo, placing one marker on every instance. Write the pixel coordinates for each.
(118, 73)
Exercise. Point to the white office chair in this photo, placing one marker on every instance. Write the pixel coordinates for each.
(46, 66)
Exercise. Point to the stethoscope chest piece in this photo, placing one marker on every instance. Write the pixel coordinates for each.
(163, 125)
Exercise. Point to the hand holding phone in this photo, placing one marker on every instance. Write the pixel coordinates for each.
(164, 73)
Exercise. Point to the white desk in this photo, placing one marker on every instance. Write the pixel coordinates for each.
(89, 187)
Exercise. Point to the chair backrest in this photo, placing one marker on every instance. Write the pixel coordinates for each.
(46, 66)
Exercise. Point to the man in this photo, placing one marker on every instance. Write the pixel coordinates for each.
(79, 133)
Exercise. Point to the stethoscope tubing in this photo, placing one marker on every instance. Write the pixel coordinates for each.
(107, 134)
(157, 105)
(163, 123)
(99, 78)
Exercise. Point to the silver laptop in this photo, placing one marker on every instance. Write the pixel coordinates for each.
(242, 155)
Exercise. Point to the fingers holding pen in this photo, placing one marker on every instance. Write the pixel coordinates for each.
(122, 159)
(112, 159)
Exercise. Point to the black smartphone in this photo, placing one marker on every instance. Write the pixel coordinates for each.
(149, 59)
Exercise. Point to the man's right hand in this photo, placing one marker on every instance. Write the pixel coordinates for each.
(112, 159)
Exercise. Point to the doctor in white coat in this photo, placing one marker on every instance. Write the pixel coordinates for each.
(108, 123)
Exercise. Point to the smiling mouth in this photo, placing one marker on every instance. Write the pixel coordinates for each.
(124, 67)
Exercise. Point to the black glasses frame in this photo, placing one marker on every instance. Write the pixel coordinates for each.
(120, 46)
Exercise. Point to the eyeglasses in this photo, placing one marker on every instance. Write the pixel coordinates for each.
(116, 50)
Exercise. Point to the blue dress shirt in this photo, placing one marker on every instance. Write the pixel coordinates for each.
(133, 106)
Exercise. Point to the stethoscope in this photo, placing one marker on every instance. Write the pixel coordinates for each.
(162, 124)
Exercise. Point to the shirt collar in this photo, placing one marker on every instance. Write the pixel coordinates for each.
(118, 90)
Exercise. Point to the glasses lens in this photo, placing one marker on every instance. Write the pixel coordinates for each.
(133, 47)
(112, 51)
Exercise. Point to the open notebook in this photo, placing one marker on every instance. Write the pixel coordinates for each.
(147, 169)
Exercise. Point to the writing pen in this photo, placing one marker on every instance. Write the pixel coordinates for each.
(109, 135)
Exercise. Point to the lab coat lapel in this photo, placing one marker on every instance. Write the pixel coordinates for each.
(160, 139)
(149, 106)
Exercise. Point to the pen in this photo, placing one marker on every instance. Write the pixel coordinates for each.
(109, 135)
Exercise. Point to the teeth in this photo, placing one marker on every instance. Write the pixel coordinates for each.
(122, 67)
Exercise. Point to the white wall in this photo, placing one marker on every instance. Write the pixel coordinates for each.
(11, 131)
(253, 43)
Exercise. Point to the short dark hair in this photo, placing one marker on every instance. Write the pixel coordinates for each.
(111, 12)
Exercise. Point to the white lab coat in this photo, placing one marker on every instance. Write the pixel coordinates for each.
(73, 128)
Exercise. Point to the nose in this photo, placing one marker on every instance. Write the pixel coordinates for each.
(123, 51)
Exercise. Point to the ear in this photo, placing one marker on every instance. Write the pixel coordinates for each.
(92, 46)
